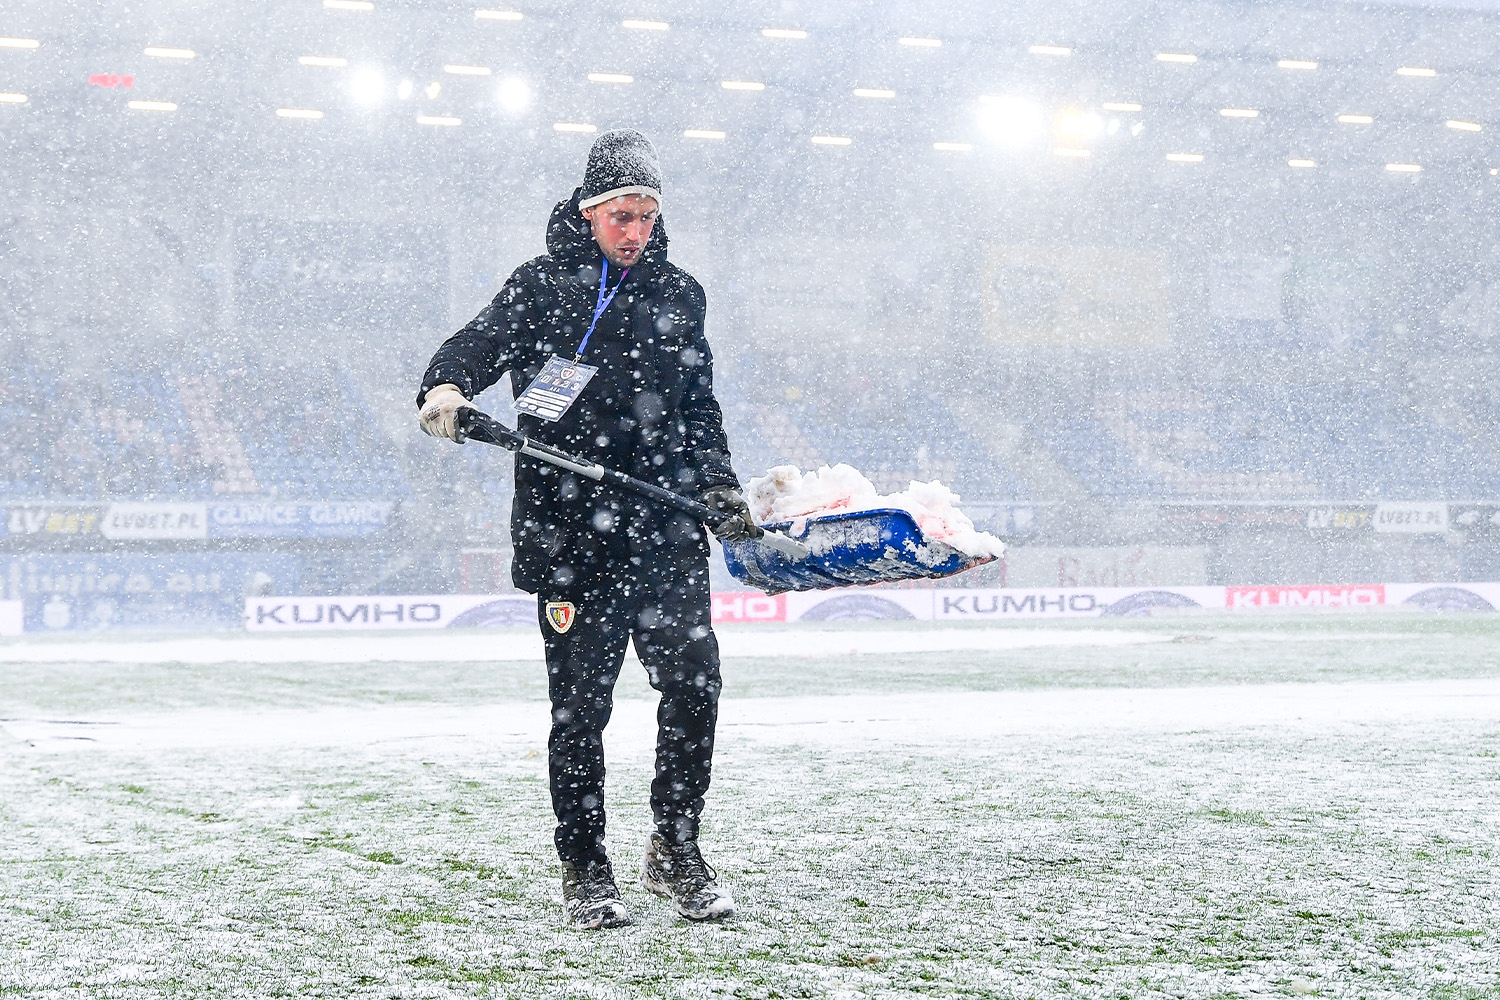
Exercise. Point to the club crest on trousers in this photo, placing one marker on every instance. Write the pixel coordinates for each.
(560, 615)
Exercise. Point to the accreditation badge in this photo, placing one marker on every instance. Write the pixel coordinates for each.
(555, 389)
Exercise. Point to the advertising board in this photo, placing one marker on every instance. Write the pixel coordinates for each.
(139, 590)
(426, 611)
(300, 519)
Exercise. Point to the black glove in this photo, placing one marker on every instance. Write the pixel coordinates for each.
(740, 525)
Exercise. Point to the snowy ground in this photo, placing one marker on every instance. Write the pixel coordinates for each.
(1195, 806)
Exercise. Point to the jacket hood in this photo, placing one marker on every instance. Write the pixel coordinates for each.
(570, 240)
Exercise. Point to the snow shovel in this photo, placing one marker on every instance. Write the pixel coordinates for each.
(859, 547)
(471, 423)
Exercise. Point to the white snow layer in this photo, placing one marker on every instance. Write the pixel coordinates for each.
(786, 493)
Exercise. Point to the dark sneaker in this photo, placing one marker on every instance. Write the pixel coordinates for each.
(678, 872)
(590, 896)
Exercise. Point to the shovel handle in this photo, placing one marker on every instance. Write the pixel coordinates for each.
(469, 422)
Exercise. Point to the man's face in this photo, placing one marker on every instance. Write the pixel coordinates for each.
(622, 226)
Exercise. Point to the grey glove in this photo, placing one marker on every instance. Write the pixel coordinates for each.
(740, 525)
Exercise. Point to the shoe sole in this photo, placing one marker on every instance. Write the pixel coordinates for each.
(652, 886)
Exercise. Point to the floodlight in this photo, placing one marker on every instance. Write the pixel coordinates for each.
(1298, 163)
(466, 70)
(874, 92)
(19, 43)
(831, 140)
(360, 5)
(1355, 119)
(742, 85)
(160, 52)
(1184, 157)
(498, 15)
(6, 98)
(611, 78)
(1404, 168)
(1296, 64)
(1126, 106)
(513, 94)
(952, 147)
(921, 43)
(636, 25)
(1239, 113)
(332, 62)
(795, 34)
(367, 86)
(305, 114)
(438, 120)
(1415, 71)
(151, 106)
(1050, 50)
(1463, 126)
(1071, 152)
(1176, 57)
(1014, 121)
(703, 133)
(574, 127)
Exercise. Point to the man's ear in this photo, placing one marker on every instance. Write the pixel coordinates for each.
(588, 213)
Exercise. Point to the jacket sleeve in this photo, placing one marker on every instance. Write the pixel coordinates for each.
(707, 444)
(477, 356)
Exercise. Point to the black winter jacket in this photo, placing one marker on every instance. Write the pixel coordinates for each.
(649, 412)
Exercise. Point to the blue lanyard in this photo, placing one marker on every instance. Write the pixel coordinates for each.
(600, 304)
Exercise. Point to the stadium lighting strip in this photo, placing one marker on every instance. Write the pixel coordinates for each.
(791, 34)
(364, 6)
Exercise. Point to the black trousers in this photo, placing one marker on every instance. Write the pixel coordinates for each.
(665, 609)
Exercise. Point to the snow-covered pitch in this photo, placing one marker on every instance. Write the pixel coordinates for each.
(1191, 807)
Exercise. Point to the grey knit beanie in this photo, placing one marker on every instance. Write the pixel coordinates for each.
(620, 162)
